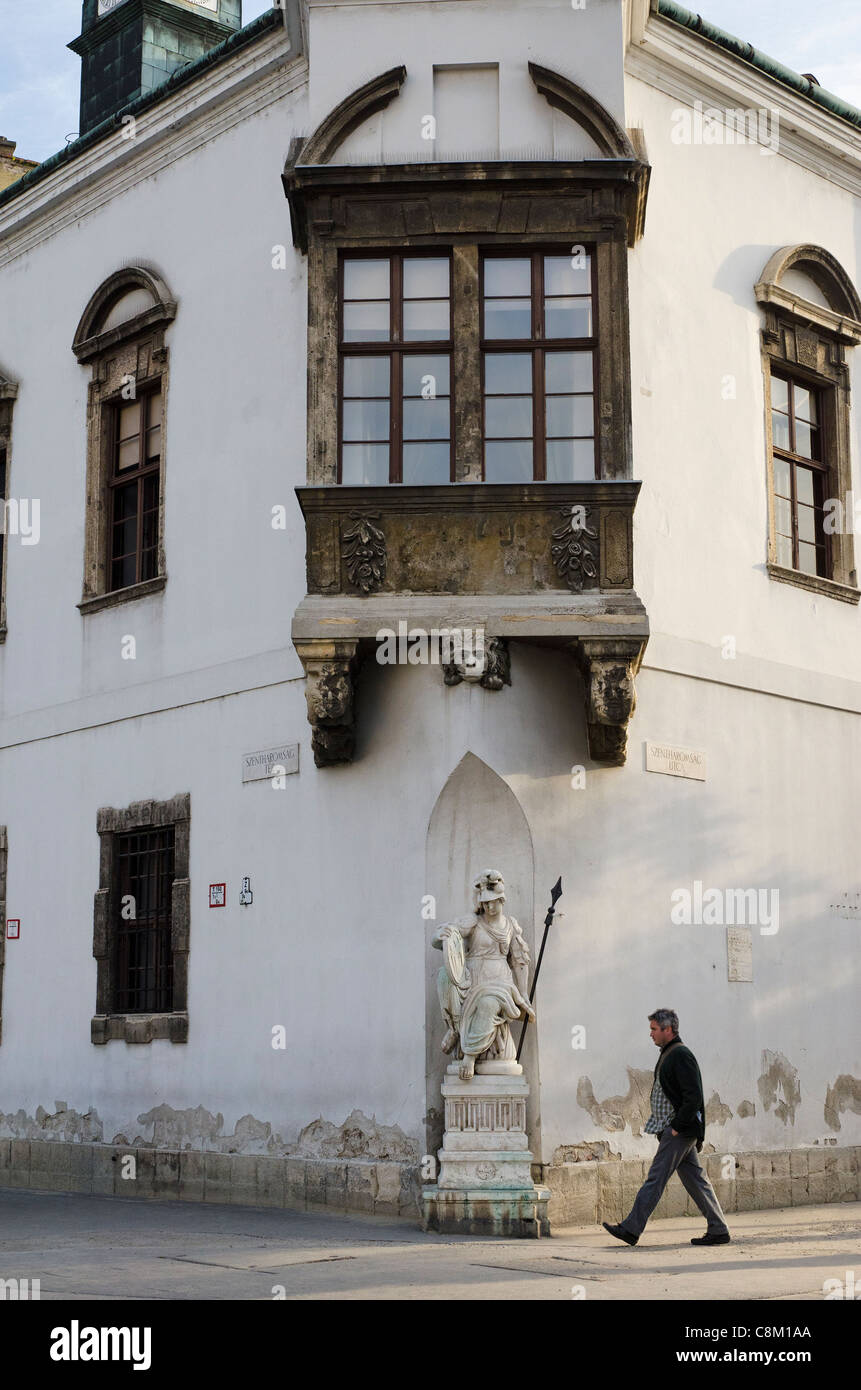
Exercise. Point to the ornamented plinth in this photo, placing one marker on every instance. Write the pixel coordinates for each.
(485, 1182)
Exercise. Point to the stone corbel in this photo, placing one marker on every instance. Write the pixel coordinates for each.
(330, 688)
(608, 669)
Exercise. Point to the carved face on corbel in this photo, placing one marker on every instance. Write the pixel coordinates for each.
(613, 695)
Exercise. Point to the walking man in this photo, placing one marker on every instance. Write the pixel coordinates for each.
(678, 1119)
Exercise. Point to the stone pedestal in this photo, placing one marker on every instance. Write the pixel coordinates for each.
(485, 1182)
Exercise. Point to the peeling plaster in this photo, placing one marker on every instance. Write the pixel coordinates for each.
(614, 1113)
(66, 1126)
(745, 1109)
(357, 1137)
(778, 1074)
(845, 1094)
(716, 1112)
(583, 1153)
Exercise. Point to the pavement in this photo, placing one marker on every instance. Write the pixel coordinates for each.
(82, 1247)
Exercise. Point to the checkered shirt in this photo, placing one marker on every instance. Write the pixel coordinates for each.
(662, 1110)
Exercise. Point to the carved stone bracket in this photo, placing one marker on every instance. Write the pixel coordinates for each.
(330, 688)
(608, 669)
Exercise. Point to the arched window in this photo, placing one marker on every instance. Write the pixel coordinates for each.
(121, 334)
(813, 313)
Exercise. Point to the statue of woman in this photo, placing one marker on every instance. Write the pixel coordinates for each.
(483, 985)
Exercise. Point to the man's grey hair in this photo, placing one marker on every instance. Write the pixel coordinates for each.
(666, 1018)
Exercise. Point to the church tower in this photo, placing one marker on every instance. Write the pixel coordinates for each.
(130, 47)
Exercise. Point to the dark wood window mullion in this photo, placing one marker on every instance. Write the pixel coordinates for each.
(396, 432)
(143, 418)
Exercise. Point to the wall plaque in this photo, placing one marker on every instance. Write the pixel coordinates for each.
(675, 762)
(256, 767)
(739, 953)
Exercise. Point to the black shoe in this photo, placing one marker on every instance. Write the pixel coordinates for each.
(710, 1239)
(621, 1234)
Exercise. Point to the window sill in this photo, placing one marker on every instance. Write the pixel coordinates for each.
(139, 1028)
(118, 596)
(814, 583)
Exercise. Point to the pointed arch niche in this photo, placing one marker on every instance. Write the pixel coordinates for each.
(477, 823)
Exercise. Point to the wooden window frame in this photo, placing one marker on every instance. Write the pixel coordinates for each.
(821, 467)
(538, 345)
(396, 349)
(8, 394)
(143, 470)
(109, 1022)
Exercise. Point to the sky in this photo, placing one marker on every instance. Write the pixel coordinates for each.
(39, 76)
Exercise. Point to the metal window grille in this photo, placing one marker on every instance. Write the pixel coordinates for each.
(142, 912)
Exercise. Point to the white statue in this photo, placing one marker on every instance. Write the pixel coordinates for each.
(483, 985)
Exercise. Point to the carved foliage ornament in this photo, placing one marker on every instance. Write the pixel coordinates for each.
(575, 548)
(364, 551)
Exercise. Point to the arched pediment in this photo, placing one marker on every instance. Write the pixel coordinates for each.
(104, 322)
(777, 286)
(349, 114)
(582, 108)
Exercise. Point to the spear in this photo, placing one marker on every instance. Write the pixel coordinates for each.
(555, 895)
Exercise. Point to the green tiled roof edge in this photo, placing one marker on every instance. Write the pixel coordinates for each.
(668, 9)
(270, 19)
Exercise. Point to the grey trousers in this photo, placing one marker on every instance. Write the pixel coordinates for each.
(675, 1155)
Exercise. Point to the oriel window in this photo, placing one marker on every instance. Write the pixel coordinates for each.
(539, 350)
(800, 471)
(136, 444)
(395, 369)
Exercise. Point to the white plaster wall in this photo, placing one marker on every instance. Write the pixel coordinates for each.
(333, 946)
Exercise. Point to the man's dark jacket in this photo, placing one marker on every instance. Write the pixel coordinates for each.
(683, 1086)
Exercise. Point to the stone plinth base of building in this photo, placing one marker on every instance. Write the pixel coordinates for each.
(519, 1212)
(485, 1182)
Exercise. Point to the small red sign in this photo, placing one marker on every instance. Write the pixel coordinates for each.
(13, 928)
(217, 894)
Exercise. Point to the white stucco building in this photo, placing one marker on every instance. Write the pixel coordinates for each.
(616, 254)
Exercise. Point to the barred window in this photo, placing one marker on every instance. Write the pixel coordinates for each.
(144, 862)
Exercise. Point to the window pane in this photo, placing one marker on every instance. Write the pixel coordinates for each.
(129, 455)
(568, 318)
(508, 318)
(508, 463)
(365, 463)
(508, 417)
(780, 430)
(570, 460)
(123, 572)
(366, 376)
(783, 516)
(568, 371)
(366, 420)
(784, 552)
(426, 319)
(427, 419)
(560, 277)
(806, 525)
(508, 373)
(507, 275)
(366, 279)
(781, 477)
(807, 558)
(130, 420)
(427, 376)
(366, 323)
(426, 277)
(154, 410)
(153, 444)
(779, 394)
(804, 440)
(570, 415)
(805, 405)
(427, 463)
(804, 485)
